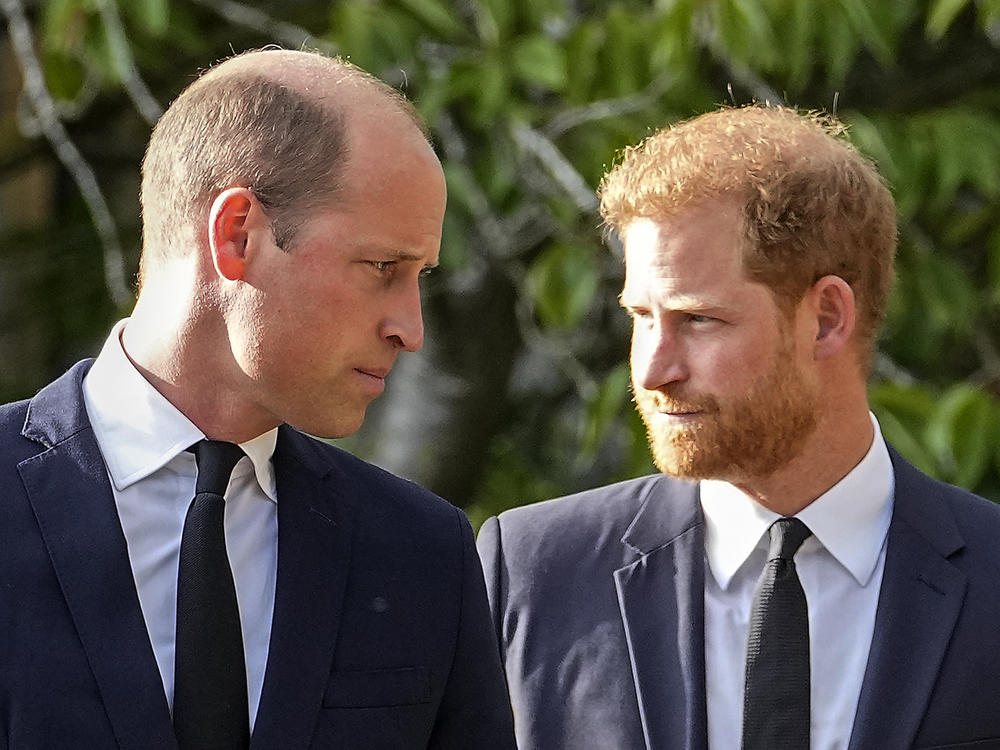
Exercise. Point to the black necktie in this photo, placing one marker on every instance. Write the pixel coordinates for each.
(776, 697)
(210, 680)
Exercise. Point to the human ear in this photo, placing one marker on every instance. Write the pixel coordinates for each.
(832, 302)
(228, 231)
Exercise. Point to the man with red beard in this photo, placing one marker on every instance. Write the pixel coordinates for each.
(788, 580)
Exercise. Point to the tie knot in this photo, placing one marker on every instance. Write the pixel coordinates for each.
(787, 535)
(216, 460)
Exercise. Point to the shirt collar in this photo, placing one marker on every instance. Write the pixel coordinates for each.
(850, 520)
(139, 431)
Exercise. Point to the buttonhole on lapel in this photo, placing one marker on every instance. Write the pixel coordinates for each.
(380, 604)
(324, 516)
(930, 585)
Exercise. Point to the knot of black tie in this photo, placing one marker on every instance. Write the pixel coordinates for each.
(216, 461)
(787, 535)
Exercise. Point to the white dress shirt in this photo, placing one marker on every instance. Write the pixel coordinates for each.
(840, 567)
(143, 439)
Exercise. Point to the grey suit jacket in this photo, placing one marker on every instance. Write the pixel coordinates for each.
(598, 601)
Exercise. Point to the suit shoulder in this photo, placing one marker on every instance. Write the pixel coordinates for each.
(386, 492)
(12, 418)
(948, 517)
(599, 505)
(591, 519)
(977, 517)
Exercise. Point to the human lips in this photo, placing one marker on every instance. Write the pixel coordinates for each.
(673, 409)
(374, 372)
(375, 376)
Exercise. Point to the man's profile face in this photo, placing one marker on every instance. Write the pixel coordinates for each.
(716, 371)
(325, 320)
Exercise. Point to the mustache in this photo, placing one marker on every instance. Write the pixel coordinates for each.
(673, 402)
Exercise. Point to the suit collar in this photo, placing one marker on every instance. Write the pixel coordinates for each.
(660, 593)
(67, 486)
(56, 413)
(315, 521)
(669, 510)
(919, 603)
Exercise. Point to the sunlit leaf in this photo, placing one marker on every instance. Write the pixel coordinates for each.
(746, 32)
(904, 440)
(941, 15)
(625, 52)
(605, 407)
(562, 282)
(582, 49)
(842, 43)
(153, 16)
(962, 433)
(877, 38)
(540, 61)
(438, 16)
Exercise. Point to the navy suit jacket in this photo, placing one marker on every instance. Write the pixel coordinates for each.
(381, 635)
(598, 601)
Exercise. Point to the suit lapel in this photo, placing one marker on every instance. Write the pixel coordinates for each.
(314, 548)
(69, 491)
(919, 603)
(661, 596)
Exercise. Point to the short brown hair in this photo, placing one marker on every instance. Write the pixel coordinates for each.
(244, 128)
(811, 204)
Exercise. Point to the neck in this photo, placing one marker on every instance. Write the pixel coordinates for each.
(839, 442)
(183, 351)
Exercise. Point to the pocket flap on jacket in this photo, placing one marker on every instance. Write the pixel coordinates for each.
(380, 687)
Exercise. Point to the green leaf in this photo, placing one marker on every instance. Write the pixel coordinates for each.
(354, 27)
(841, 41)
(905, 441)
(538, 60)
(454, 243)
(866, 135)
(437, 16)
(877, 39)
(483, 82)
(494, 20)
(562, 282)
(672, 36)
(63, 75)
(746, 33)
(798, 41)
(582, 48)
(153, 16)
(941, 16)
(625, 54)
(605, 408)
(962, 432)
(63, 23)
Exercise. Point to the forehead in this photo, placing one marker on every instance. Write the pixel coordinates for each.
(698, 250)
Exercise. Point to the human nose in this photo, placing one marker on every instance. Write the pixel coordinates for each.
(657, 356)
(403, 326)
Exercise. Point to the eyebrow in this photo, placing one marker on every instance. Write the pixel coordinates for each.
(403, 255)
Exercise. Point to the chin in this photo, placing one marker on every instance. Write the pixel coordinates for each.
(340, 426)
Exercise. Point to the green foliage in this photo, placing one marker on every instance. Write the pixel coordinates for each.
(530, 101)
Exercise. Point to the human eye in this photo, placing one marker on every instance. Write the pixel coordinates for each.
(636, 312)
(701, 320)
(382, 266)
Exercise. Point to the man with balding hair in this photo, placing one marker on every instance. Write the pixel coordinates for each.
(788, 580)
(181, 566)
